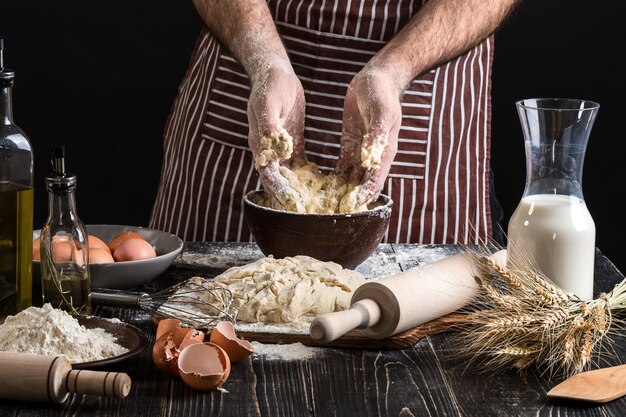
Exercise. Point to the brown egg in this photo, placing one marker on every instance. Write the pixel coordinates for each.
(223, 334)
(204, 366)
(37, 249)
(133, 250)
(96, 242)
(61, 250)
(100, 256)
(120, 237)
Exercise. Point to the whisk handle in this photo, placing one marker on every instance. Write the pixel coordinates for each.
(118, 299)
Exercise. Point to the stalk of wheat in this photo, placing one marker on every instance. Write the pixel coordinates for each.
(521, 319)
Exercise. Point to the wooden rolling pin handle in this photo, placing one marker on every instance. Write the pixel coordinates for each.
(109, 384)
(29, 377)
(328, 327)
(399, 302)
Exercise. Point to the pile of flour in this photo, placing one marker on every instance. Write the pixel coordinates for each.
(50, 331)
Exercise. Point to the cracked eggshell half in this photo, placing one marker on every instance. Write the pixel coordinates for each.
(223, 334)
(166, 326)
(204, 366)
(167, 348)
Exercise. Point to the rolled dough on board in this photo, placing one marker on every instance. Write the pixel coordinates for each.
(287, 290)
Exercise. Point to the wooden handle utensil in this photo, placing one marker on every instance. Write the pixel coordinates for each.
(600, 385)
(31, 377)
(399, 302)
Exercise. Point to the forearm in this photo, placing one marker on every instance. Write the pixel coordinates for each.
(440, 31)
(246, 28)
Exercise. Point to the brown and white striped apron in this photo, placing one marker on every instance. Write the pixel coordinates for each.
(439, 180)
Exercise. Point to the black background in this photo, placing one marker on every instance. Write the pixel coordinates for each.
(100, 77)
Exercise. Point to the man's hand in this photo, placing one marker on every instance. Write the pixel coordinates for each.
(276, 105)
(438, 32)
(372, 116)
(276, 117)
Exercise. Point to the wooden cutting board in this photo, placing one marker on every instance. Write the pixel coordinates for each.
(385, 261)
(356, 339)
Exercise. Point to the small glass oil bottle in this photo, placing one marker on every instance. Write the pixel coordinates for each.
(65, 280)
(16, 204)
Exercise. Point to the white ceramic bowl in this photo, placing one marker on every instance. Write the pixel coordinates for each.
(129, 274)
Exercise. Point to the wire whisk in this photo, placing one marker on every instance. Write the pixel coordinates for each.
(196, 303)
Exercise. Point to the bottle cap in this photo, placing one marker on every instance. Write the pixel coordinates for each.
(60, 181)
(5, 73)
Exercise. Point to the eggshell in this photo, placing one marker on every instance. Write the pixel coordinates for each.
(204, 366)
(122, 236)
(96, 242)
(168, 346)
(100, 256)
(223, 335)
(180, 335)
(133, 249)
(164, 354)
(165, 326)
(190, 339)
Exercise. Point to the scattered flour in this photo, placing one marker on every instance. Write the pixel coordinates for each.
(412, 256)
(286, 352)
(379, 265)
(297, 327)
(50, 331)
(223, 258)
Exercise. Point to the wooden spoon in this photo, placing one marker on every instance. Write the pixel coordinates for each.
(600, 385)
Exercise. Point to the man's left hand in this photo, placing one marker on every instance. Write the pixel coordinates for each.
(372, 117)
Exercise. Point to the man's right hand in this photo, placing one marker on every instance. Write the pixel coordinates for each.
(276, 109)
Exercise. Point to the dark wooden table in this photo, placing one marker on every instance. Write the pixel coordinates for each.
(418, 381)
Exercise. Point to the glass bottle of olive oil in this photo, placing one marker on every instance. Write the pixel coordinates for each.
(16, 204)
(65, 279)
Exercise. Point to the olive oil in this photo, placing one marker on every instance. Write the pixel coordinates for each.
(16, 204)
(16, 247)
(65, 282)
(69, 290)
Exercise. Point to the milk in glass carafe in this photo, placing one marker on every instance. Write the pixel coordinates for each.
(552, 228)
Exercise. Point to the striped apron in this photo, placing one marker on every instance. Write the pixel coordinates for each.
(439, 180)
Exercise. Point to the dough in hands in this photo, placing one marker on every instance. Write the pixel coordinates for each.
(320, 193)
(290, 289)
(275, 147)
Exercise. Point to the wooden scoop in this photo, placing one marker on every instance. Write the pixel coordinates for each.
(600, 385)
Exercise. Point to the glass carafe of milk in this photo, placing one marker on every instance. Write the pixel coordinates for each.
(552, 227)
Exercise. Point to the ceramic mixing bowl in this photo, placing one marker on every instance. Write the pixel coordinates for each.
(347, 239)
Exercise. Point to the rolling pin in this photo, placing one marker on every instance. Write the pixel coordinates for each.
(29, 377)
(399, 302)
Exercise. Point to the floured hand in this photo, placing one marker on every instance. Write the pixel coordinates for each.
(372, 117)
(276, 118)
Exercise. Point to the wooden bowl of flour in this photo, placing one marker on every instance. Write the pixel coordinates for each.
(347, 239)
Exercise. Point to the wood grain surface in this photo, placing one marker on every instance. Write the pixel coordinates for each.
(425, 379)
